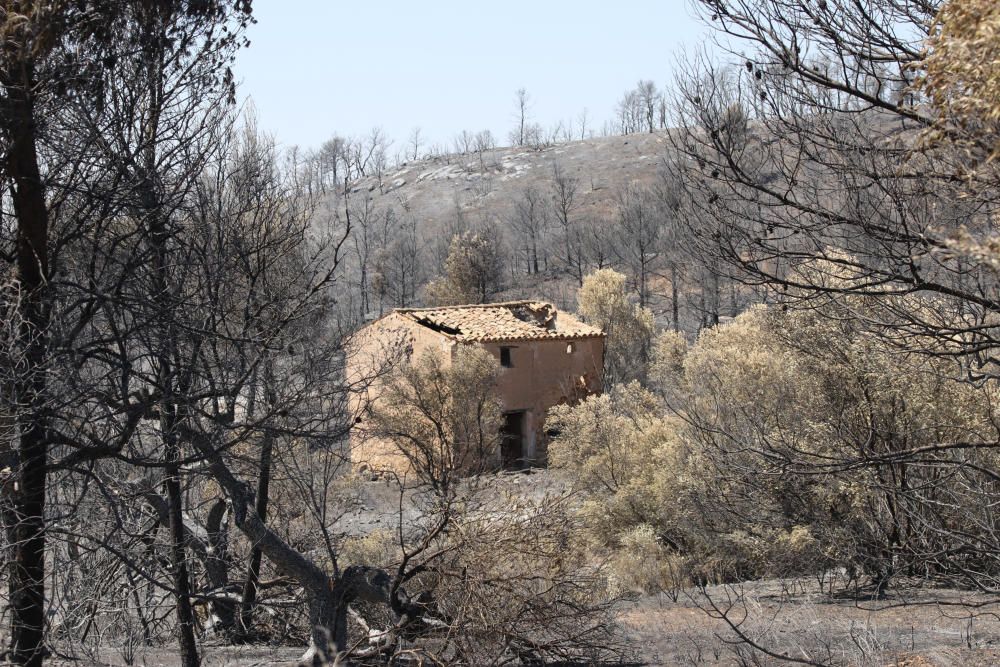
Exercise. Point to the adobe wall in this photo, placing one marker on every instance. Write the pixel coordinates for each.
(544, 375)
(371, 354)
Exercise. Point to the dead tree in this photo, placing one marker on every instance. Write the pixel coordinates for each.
(639, 226)
(26, 488)
(563, 193)
(530, 220)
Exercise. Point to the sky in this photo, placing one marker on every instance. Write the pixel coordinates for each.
(316, 68)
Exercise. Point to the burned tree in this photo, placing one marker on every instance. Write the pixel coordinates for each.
(814, 169)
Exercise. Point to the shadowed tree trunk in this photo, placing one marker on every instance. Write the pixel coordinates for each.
(178, 562)
(162, 297)
(168, 424)
(217, 565)
(674, 299)
(27, 512)
(327, 596)
(251, 585)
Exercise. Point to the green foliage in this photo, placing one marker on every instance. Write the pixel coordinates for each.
(604, 303)
(666, 367)
(443, 414)
(960, 77)
(472, 272)
(802, 440)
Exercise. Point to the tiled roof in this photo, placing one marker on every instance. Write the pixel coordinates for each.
(497, 322)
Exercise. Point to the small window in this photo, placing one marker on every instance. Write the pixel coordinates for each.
(505, 357)
(570, 348)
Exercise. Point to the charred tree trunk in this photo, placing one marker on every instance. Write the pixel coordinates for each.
(327, 596)
(579, 267)
(162, 300)
(178, 560)
(250, 587)
(643, 278)
(714, 300)
(217, 568)
(27, 508)
(212, 552)
(674, 298)
(328, 618)
(171, 448)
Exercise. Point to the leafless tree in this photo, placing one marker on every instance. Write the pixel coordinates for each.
(398, 265)
(649, 98)
(484, 143)
(568, 131)
(463, 142)
(563, 193)
(530, 221)
(583, 117)
(330, 163)
(775, 152)
(415, 144)
(368, 224)
(598, 242)
(180, 312)
(378, 148)
(96, 123)
(629, 113)
(639, 247)
(676, 258)
(522, 101)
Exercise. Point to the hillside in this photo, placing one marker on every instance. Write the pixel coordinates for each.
(405, 218)
(430, 188)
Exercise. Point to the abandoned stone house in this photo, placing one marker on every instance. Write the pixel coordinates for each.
(547, 358)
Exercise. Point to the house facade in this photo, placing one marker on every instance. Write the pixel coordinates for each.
(547, 358)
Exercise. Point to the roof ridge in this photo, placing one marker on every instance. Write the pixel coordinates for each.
(498, 304)
(501, 321)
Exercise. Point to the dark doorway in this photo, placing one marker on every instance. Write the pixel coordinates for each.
(512, 446)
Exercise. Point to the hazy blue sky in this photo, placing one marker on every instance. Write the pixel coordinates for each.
(319, 67)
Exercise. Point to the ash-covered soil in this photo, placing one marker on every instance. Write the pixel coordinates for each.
(912, 626)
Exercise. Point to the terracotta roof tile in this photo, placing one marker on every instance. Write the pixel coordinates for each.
(496, 322)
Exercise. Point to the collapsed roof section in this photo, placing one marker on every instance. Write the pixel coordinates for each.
(501, 322)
